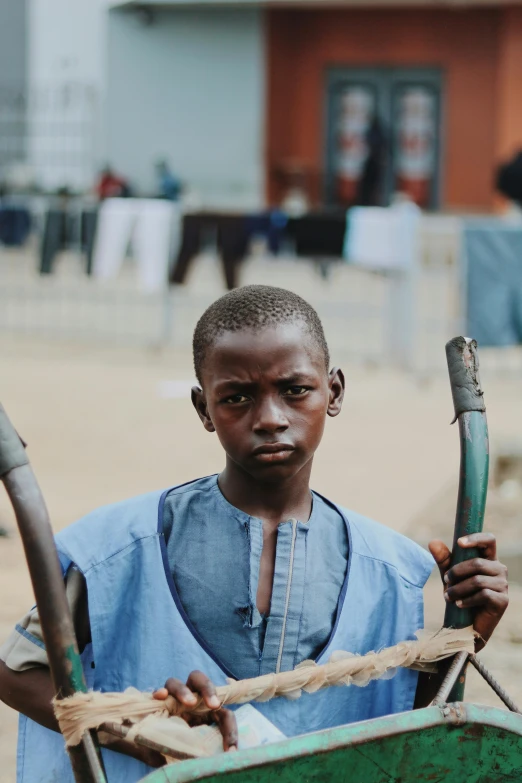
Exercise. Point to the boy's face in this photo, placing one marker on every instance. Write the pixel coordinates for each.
(266, 394)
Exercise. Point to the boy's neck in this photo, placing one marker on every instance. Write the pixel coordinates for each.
(272, 502)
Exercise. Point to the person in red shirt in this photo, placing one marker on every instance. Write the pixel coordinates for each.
(111, 185)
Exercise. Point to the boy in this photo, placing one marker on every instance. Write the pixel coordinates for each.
(243, 573)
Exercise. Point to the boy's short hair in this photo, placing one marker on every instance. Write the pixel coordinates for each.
(254, 307)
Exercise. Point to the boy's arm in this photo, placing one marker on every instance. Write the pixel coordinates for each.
(31, 692)
(25, 679)
(26, 685)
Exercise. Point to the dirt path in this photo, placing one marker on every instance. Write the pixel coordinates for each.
(99, 430)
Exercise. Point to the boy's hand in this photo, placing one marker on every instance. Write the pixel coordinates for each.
(198, 683)
(480, 583)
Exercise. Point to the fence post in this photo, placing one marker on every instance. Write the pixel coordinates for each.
(403, 294)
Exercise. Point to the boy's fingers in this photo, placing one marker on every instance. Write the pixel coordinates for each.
(161, 694)
(180, 692)
(495, 602)
(226, 720)
(200, 683)
(441, 555)
(476, 584)
(484, 541)
(476, 565)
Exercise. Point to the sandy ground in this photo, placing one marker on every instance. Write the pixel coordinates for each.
(99, 428)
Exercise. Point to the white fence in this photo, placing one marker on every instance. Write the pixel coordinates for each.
(400, 319)
(50, 135)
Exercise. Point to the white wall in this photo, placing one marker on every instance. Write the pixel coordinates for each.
(66, 80)
(13, 48)
(13, 76)
(189, 87)
(66, 41)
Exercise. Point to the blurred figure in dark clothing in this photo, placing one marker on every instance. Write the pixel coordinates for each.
(509, 179)
(370, 185)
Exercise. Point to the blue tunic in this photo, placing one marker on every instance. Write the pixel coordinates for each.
(140, 633)
(214, 553)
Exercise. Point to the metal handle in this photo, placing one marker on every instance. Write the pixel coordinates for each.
(48, 585)
(470, 411)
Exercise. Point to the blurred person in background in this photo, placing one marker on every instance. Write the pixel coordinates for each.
(169, 185)
(370, 185)
(509, 184)
(112, 185)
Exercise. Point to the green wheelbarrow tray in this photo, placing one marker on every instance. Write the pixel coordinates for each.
(451, 743)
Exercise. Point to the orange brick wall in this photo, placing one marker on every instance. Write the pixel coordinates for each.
(509, 84)
(480, 52)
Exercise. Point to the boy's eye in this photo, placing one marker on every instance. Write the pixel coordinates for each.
(295, 391)
(235, 399)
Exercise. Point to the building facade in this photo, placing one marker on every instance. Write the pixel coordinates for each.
(13, 77)
(244, 98)
(13, 51)
(447, 84)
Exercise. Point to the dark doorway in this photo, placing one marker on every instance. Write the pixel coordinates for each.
(383, 135)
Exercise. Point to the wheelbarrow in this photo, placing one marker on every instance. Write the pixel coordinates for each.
(445, 739)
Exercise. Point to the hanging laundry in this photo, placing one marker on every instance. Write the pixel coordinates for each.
(15, 225)
(151, 226)
(383, 238)
(493, 264)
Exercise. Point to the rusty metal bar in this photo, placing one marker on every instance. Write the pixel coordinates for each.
(491, 681)
(451, 678)
(48, 585)
(118, 730)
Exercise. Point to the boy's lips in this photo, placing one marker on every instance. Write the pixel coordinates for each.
(272, 452)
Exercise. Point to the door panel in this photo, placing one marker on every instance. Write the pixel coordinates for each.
(383, 135)
(416, 121)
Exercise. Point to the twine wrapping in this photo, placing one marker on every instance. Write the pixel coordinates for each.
(84, 711)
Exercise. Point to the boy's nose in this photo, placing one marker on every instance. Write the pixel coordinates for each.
(270, 417)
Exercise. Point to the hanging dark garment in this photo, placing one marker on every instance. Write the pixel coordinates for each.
(60, 228)
(232, 244)
(509, 179)
(318, 234)
(15, 225)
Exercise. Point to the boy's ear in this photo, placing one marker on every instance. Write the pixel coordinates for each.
(336, 385)
(199, 402)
